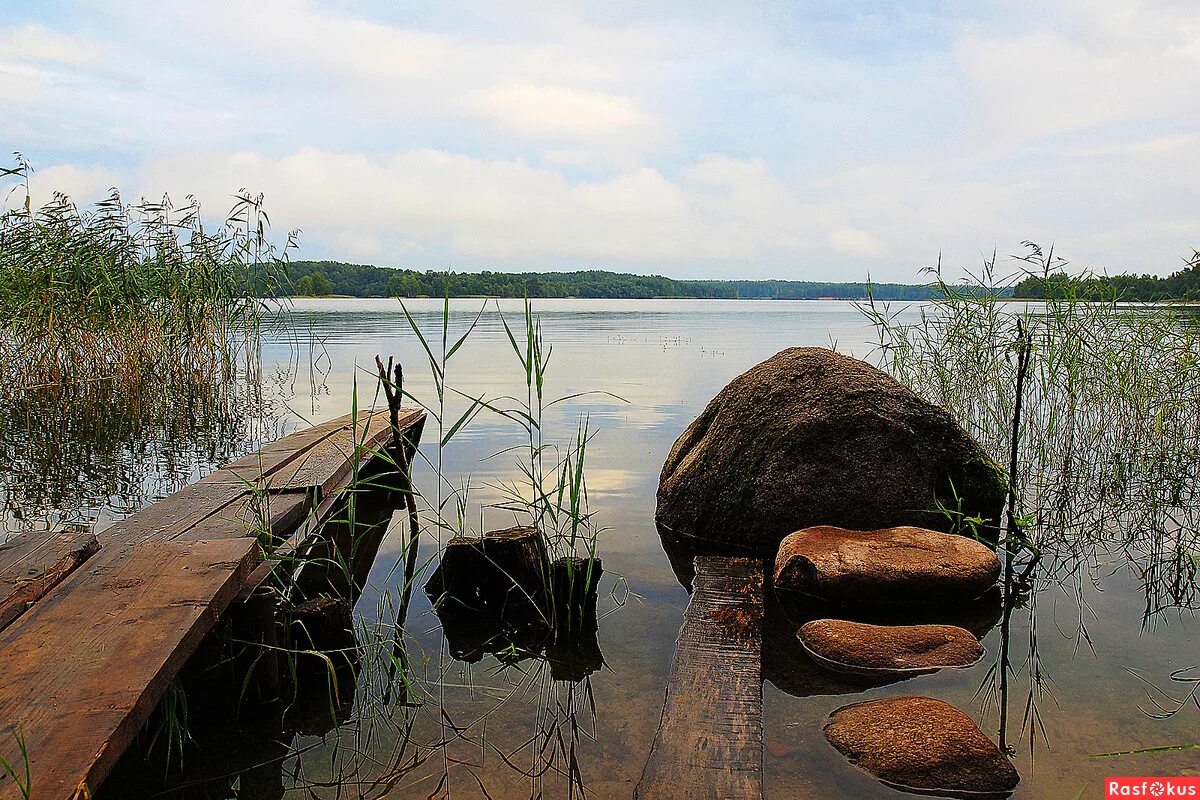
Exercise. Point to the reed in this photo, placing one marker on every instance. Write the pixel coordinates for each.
(124, 290)
(1106, 449)
(1095, 407)
(410, 702)
(19, 773)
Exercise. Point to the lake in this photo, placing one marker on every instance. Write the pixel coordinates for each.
(1090, 660)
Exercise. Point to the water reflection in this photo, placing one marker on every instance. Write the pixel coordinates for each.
(1101, 603)
(96, 450)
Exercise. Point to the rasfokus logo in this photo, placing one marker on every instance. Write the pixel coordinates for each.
(1160, 786)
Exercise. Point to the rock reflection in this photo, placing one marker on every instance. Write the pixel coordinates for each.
(481, 615)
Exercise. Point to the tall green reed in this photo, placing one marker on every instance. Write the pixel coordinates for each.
(125, 290)
(1094, 405)
(1107, 444)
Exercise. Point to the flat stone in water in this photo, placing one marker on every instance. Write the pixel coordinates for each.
(902, 564)
(923, 745)
(876, 651)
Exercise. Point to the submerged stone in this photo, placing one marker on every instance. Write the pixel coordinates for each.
(878, 651)
(923, 745)
(902, 564)
(813, 437)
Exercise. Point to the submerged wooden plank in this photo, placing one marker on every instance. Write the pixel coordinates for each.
(709, 742)
(31, 565)
(85, 667)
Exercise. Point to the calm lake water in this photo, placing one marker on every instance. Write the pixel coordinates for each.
(1084, 656)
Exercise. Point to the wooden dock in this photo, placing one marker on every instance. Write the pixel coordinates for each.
(710, 740)
(93, 629)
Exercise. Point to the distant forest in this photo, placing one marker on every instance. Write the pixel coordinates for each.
(1181, 285)
(364, 280)
(317, 278)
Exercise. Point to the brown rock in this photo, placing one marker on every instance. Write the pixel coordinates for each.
(876, 651)
(812, 437)
(901, 564)
(921, 744)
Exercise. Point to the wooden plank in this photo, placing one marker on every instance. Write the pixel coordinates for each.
(317, 460)
(330, 462)
(31, 565)
(269, 517)
(709, 742)
(411, 423)
(269, 458)
(84, 669)
(304, 459)
(173, 515)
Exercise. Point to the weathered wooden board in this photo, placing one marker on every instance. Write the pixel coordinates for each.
(252, 467)
(268, 517)
(173, 515)
(313, 460)
(83, 671)
(33, 564)
(330, 462)
(709, 742)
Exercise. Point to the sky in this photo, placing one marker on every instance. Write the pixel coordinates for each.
(799, 140)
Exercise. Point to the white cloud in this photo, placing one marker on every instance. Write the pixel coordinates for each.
(1091, 65)
(84, 184)
(794, 143)
(507, 212)
(39, 44)
(555, 110)
(855, 242)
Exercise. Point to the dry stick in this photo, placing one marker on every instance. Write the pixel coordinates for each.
(1025, 345)
(393, 390)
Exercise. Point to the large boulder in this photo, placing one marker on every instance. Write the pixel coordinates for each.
(888, 651)
(921, 745)
(812, 437)
(890, 565)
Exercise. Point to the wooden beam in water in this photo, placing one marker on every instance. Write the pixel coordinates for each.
(83, 673)
(709, 742)
(33, 564)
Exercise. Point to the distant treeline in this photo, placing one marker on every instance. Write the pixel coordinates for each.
(1181, 285)
(364, 280)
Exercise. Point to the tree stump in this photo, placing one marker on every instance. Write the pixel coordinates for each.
(574, 652)
(496, 571)
(323, 624)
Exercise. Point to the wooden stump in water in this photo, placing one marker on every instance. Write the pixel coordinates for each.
(574, 581)
(490, 594)
(573, 651)
(324, 626)
(498, 570)
(322, 623)
(254, 624)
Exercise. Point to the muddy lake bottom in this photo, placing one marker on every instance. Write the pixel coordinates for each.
(510, 730)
